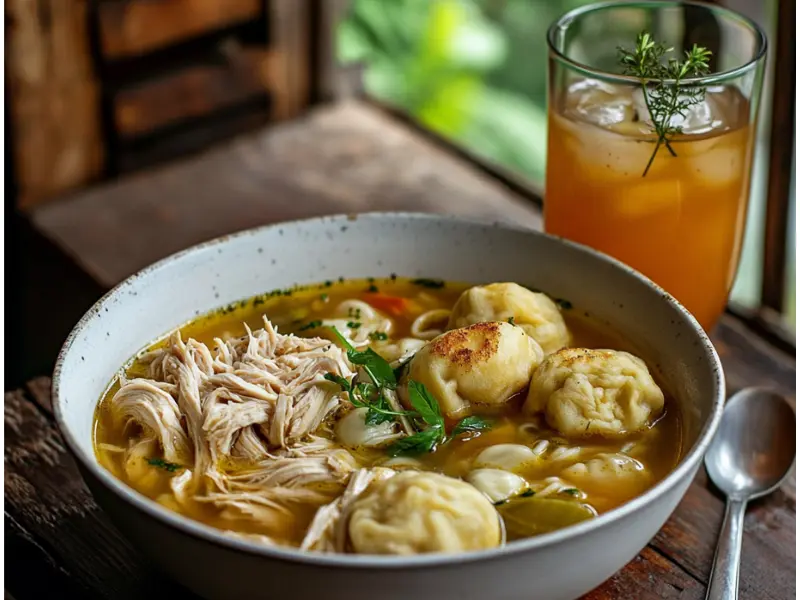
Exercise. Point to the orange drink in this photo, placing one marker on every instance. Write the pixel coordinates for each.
(681, 224)
(678, 219)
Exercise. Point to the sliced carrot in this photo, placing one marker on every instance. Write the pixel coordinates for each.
(395, 305)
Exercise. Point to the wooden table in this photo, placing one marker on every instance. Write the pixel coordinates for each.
(344, 158)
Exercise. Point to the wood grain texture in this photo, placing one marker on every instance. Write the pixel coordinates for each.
(345, 158)
(53, 96)
(290, 43)
(192, 92)
(133, 27)
(47, 507)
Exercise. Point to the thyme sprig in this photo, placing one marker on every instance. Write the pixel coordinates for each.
(664, 95)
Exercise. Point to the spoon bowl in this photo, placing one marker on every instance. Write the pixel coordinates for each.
(751, 454)
(754, 448)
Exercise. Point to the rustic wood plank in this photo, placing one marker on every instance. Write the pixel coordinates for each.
(290, 42)
(334, 80)
(345, 158)
(133, 27)
(649, 576)
(192, 92)
(46, 501)
(39, 390)
(769, 551)
(54, 98)
(188, 138)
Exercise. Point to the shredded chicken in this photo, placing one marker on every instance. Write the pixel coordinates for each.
(241, 418)
(328, 530)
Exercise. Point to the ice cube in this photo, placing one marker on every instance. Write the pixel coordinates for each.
(598, 103)
(699, 118)
(721, 165)
(608, 154)
(696, 119)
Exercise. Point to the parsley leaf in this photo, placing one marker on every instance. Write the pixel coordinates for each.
(420, 443)
(572, 492)
(376, 367)
(338, 379)
(425, 404)
(374, 364)
(377, 336)
(374, 417)
(163, 464)
(527, 493)
(369, 396)
(511, 320)
(310, 325)
(469, 424)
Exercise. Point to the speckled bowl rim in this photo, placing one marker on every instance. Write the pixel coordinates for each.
(206, 533)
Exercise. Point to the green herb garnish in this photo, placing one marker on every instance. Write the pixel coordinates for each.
(369, 396)
(527, 493)
(311, 325)
(378, 336)
(428, 283)
(664, 96)
(421, 442)
(323, 297)
(353, 324)
(378, 370)
(425, 404)
(427, 409)
(468, 425)
(511, 320)
(572, 492)
(163, 464)
(372, 288)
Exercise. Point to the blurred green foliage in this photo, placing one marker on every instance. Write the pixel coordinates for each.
(474, 71)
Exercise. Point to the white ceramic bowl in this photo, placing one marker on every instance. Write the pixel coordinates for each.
(557, 566)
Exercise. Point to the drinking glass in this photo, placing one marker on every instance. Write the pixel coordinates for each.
(680, 221)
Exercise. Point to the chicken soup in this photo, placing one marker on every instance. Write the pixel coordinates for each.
(390, 416)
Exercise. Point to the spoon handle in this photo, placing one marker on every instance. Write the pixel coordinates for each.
(724, 584)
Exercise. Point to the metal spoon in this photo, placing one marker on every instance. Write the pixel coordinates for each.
(751, 454)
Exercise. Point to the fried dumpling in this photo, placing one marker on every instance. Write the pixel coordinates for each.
(534, 312)
(475, 368)
(418, 512)
(587, 392)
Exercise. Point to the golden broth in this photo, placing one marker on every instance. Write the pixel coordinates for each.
(659, 448)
